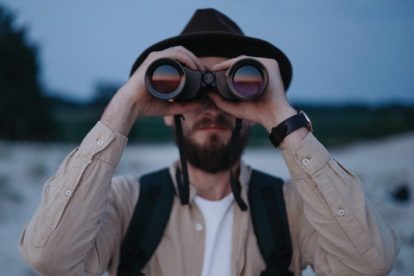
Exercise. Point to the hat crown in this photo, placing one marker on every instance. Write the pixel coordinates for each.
(211, 33)
(211, 20)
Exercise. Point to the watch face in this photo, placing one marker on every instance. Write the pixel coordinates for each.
(310, 127)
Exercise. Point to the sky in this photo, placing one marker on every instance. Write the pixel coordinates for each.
(341, 51)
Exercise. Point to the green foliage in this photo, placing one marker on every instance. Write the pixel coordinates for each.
(151, 130)
(23, 110)
(333, 125)
(73, 121)
(338, 125)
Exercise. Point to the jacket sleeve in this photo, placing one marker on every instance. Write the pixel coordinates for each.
(61, 238)
(347, 237)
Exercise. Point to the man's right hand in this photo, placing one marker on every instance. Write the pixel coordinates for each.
(133, 101)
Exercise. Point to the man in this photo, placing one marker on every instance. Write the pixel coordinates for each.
(84, 216)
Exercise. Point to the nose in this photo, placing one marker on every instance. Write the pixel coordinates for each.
(210, 106)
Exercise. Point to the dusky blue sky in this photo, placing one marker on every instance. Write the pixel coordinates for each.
(341, 51)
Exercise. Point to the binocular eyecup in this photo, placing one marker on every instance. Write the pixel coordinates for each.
(167, 79)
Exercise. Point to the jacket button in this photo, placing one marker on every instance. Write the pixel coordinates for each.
(199, 227)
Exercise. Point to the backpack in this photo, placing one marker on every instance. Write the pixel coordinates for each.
(152, 211)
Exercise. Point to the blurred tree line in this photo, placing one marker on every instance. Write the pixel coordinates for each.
(26, 113)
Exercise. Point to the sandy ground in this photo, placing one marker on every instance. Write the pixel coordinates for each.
(382, 165)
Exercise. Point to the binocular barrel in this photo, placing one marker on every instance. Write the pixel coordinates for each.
(167, 79)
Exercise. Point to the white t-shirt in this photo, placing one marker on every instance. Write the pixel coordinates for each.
(218, 219)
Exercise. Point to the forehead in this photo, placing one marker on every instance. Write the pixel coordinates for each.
(210, 61)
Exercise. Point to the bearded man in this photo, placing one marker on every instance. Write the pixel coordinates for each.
(86, 223)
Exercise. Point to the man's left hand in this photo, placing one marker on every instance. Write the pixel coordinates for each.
(270, 109)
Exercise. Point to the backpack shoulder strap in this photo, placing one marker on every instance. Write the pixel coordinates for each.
(268, 212)
(148, 222)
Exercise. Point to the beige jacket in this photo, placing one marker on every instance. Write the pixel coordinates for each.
(83, 216)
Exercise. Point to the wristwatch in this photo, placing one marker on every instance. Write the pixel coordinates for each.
(278, 133)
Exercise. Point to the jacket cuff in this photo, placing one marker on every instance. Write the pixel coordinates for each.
(307, 158)
(104, 144)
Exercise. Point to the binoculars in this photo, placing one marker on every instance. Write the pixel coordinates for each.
(167, 79)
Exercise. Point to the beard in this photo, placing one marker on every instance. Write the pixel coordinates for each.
(214, 156)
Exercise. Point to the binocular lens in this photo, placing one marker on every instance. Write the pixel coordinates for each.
(165, 79)
(248, 81)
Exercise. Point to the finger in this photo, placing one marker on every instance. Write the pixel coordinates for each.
(226, 64)
(178, 53)
(200, 65)
(222, 65)
(187, 58)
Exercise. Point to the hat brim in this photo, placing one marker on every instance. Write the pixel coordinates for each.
(223, 45)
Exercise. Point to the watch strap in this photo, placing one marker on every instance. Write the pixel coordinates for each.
(286, 127)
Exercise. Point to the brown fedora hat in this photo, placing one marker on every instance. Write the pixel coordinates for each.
(211, 33)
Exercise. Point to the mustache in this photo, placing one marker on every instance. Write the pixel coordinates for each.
(220, 121)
